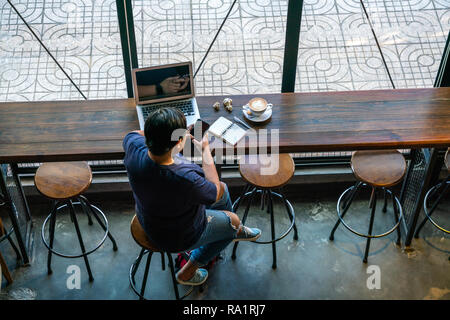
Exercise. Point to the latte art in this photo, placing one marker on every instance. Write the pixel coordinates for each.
(257, 104)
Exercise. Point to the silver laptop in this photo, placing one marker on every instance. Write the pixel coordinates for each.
(165, 86)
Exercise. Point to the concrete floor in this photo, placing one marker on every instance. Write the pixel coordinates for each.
(311, 268)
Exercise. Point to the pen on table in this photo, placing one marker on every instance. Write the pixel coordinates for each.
(242, 122)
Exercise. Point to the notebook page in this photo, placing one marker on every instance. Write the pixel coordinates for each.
(233, 134)
(220, 126)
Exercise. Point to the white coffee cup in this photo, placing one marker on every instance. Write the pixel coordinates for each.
(257, 106)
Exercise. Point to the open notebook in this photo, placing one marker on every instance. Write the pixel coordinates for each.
(227, 130)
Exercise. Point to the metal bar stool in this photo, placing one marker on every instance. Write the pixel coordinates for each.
(440, 190)
(64, 182)
(148, 248)
(262, 179)
(378, 170)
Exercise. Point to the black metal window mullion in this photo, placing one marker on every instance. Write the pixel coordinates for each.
(293, 23)
(443, 74)
(128, 41)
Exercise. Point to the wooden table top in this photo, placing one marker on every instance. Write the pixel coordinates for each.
(331, 121)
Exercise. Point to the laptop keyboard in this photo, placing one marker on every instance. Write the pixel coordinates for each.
(185, 106)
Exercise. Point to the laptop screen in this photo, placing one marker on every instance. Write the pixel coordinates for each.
(163, 83)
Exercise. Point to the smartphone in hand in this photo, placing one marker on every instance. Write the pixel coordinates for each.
(197, 130)
(199, 127)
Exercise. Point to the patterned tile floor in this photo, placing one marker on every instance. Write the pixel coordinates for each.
(337, 48)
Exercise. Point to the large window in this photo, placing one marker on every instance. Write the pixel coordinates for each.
(344, 45)
(247, 56)
(81, 35)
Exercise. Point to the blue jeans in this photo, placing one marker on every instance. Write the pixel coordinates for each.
(219, 232)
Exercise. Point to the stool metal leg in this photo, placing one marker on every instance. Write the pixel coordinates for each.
(346, 198)
(136, 266)
(80, 239)
(263, 198)
(174, 280)
(100, 222)
(396, 215)
(372, 217)
(436, 190)
(435, 204)
(348, 202)
(163, 263)
(86, 211)
(244, 191)
(52, 237)
(385, 193)
(244, 218)
(266, 200)
(372, 198)
(144, 281)
(250, 201)
(283, 198)
(272, 228)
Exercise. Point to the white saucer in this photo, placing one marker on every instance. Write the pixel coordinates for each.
(261, 118)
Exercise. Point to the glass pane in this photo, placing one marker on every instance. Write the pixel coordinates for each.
(83, 36)
(247, 56)
(412, 36)
(338, 50)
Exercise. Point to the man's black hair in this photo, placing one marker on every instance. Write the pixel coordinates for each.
(159, 128)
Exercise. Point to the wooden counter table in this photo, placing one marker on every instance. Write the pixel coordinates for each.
(331, 121)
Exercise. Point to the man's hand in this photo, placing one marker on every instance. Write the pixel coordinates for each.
(173, 84)
(208, 165)
(183, 83)
(201, 145)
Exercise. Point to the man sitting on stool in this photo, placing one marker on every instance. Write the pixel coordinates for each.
(180, 205)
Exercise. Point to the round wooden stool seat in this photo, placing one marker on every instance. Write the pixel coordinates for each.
(140, 236)
(63, 180)
(274, 174)
(379, 168)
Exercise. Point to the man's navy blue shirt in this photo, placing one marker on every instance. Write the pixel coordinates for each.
(170, 199)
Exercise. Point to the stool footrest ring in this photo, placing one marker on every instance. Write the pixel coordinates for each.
(291, 209)
(363, 234)
(132, 274)
(82, 254)
(425, 207)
